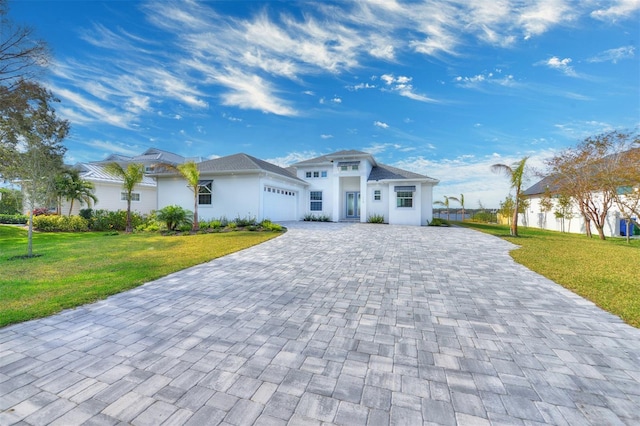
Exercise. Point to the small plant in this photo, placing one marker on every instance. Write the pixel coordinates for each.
(438, 222)
(231, 225)
(54, 223)
(246, 221)
(267, 225)
(375, 218)
(313, 218)
(18, 219)
(174, 217)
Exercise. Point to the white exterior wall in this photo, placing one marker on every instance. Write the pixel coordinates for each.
(324, 184)
(427, 203)
(536, 219)
(405, 215)
(381, 207)
(109, 198)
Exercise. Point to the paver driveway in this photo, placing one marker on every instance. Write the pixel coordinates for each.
(335, 323)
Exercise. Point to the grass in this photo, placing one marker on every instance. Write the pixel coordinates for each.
(604, 272)
(78, 268)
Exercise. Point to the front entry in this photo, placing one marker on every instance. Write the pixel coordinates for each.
(353, 205)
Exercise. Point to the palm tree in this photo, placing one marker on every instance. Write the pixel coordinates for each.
(190, 172)
(515, 173)
(461, 201)
(444, 203)
(131, 176)
(71, 187)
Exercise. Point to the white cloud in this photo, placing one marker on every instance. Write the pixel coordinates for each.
(381, 124)
(614, 55)
(402, 86)
(323, 136)
(361, 86)
(561, 65)
(293, 157)
(230, 117)
(617, 9)
(485, 78)
(114, 147)
(336, 100)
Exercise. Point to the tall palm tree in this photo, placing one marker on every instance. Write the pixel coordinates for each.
(131, 176)
(515, 173)
(444, 203)
(71, 187)
(461, 201)
(190, 172)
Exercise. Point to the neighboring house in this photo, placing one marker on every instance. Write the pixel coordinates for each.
(346, 185)
(237, 186)
(108, 188)
(574, 223)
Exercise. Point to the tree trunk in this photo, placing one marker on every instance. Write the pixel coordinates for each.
(514, 221)
(30, 236)
(70, 207)
(128, 229)
(196, 225)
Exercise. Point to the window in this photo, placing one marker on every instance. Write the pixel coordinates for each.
(308, 174)
(135, 196)
(316, 174)
(316, 201)
(323, 173)
(354, 167)
(377, 195)
(344, 168)
(205, 192)
(404, 198)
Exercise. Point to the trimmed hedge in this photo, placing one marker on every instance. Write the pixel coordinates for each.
(60, 223)
(13, 219)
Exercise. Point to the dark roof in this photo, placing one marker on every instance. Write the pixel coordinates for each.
(243, 163)
(547, 183)
(385, 172)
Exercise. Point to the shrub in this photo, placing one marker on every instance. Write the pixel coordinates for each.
(438, 222)
(55, 223)
(313, 218)
(86, 213)
(376, 218)
(41, 211)
(267, 225)
(175, 217)
(484, 217)
(231, 225)
(105, 220)
(16, 219)
(247, 221)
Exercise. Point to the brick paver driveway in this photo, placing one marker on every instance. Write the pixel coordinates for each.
(335, 323)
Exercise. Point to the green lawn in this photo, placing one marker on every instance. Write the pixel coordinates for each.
(78, 268)
(605, 272)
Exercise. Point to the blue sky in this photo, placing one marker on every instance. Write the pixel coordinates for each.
(441, 87)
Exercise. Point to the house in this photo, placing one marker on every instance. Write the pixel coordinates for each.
(346, 185)
(351, 185)
(108, 188)
(236, 186)
(572, 220)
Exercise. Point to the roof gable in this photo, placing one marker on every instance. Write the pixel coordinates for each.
(243, 163)
(385, 172)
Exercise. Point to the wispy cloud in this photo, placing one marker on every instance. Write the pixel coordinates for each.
(402, 85)
(562, 65)
(325, 136)
(381, 124)
(478, 80)
(617, 10)
(614, 55)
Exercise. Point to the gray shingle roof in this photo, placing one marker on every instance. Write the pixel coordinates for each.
(385, 172)
(243, 163)
(549, 182)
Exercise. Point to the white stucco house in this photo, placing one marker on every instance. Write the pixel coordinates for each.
(536, 217)
(346, 185)
(108, 188)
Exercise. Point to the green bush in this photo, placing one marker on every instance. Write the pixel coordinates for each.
(438, 222)
(313, 218)
(86, 213)
(246, 221)
(376, 218)
(175, 217)
(231, 225)
(267, 225)
(105, 220)
(15, 219)
(484, 217)
(55, 223)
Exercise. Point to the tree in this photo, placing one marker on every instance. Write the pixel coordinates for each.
(10, 201)
(507, 208)
(444, 203)
(546, 205)
(131, 176)
(461, 202)
(593, 173)
(515, 173)
(564, 210)
(33, 139)
(191, 173)
(71, 187)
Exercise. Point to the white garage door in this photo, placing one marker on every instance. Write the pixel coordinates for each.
(280, 204)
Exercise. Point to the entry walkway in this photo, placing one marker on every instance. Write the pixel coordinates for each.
(347, 324)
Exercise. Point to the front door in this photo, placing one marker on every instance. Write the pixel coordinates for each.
(353, 205)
